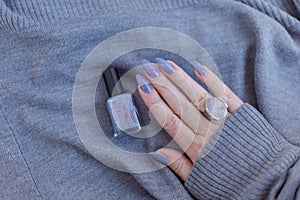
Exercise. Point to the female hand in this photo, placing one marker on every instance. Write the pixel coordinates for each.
(178, 104)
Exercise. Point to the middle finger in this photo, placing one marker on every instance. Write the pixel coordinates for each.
(177, 101)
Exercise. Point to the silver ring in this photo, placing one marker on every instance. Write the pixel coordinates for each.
(215, 109)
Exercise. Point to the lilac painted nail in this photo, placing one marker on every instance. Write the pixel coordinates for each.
(149, 68)
(165, 65)
(144, 83)
(159, 157)
(200, 69)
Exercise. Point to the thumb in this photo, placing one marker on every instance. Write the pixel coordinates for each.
(177, 161)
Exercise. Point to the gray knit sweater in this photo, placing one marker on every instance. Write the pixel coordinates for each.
(255, 44)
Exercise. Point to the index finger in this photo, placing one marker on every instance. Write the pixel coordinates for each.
(195, 92)
(163, 114)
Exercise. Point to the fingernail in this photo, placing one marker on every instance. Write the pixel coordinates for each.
(165, 65)
(200, 69)
(144, 83)
(149, 68)
(159, 157)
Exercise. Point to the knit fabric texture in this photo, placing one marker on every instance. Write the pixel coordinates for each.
(254, 43)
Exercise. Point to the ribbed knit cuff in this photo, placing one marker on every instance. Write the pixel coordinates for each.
(244, 161)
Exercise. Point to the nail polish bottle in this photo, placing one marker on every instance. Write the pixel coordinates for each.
(121, 107)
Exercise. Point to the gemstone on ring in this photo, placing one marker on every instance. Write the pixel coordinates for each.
(216, 108)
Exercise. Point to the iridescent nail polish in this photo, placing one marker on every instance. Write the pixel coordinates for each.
(159, 157)
(168, 68)
(200, 69)
(149, 68)
(143, 83)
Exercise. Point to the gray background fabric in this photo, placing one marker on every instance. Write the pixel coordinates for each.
(255, 44)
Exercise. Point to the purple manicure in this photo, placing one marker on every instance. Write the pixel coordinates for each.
(200, 69)
(165, 65)
(144, 83)
(149, 68)
(159, 157)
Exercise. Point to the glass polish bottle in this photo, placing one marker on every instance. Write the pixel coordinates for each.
(121, 108)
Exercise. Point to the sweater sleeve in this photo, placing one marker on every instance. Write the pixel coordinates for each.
(247, 160)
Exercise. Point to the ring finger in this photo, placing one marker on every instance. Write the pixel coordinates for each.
(177, 100)
(195, 92)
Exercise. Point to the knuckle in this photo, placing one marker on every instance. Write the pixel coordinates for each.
(159, 86)
(195, 149)
(185, 106)
(201, 131)
(155, 99)
(175, 104)
(204, 96)
(171, 123)
(181, 108)
(229, 96)
(161, 82)
(202, 127)
(178, 167)
(202, 99)
(215, 81)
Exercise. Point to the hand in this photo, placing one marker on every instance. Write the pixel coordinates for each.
(177, 102)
